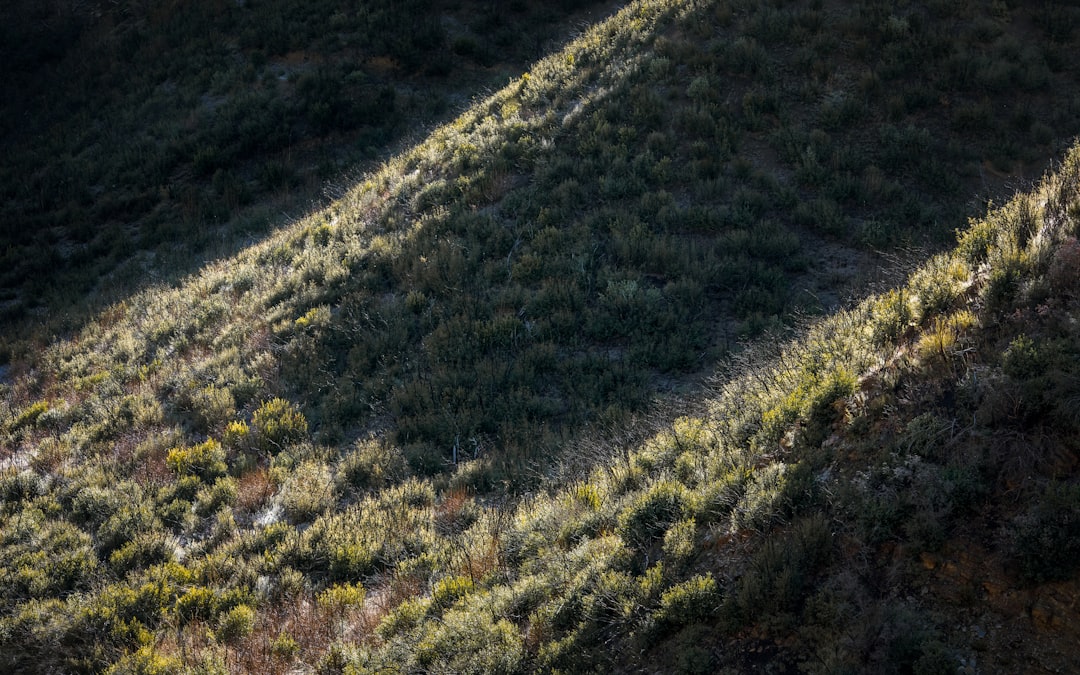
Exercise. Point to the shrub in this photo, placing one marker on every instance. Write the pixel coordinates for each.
(212, 498)
(277, 424)
(407, 615)
(149, 548)
(715, 500)
(126, 524)
(1064, 269)
(284, 647)
(1023, 360)
(680, 541)
(937, 284)
(237, 435)
(308, 491)
(197, 603)
(450, 589)
(211, 406)
(316, 317)
(586, 495)
(341, 598)
(781, 571)
(416, 301)
(205, 460)
(651, 513)
(822, 214)
(1044, 541)
(44, 559)
(468, 641)
(762, 502)
(691, 601)
(942, 338)
(372, 464)
(235, 624)
(177, 515)
(254, 488)
(146, 661)
(29, 415)
(16, 486)
(891, 317)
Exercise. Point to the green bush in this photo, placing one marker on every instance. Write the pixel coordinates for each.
(695, 600)
(277, 424)
(680, 542)
(405, 616)
(147, 549)
(891, 316)
(284, 647)
(129, 521)
(450, 589)
(235, 624)
(1023, 360)
(17, 486)
(372, 464)
(213, 498)
(211, 407)
(652, 512)
(146, 661)
(44, 559)
(29, 415)
(1044, 541)
(206, 461)
(196, 603)
(341, 598)
(472, 642)
(781, 572)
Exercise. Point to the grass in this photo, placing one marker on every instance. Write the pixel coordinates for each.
(340, 449)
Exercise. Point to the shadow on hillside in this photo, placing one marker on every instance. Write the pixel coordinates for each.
(108, 192)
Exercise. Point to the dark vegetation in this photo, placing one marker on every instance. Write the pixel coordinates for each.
(449, 423)
(140, 138)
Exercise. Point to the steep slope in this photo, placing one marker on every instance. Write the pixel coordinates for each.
(209, 476)
(629, 209)
(138, 140)
(895, 492)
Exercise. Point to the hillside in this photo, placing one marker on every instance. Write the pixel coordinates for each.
(896, 491)
(139, 143)
(515, 401)
(139, 140)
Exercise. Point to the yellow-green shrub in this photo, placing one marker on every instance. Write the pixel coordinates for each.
(237, 435)
(450, 589)
(205, 460)
(371, 465)
(341, 597)
(146, 661)
(696, 599)
(278, 424)
(235, 624)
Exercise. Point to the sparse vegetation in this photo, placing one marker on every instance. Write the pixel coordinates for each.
(449, 423)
